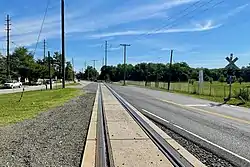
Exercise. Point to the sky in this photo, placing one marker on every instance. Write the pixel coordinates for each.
(201, 32)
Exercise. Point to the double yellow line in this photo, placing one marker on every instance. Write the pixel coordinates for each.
(206, 111)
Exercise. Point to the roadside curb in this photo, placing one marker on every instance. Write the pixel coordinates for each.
(90, 146)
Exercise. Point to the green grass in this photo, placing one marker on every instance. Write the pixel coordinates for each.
(73, 84)
(217, 92)
(33, 103)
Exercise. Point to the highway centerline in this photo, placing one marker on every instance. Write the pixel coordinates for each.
(190, 108)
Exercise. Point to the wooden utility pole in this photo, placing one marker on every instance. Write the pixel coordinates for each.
(124, 62)
(8, 45)
(73, 69)
(94, 62)
(44, 50)
(63, 44)
(106, 53)
(49, 64)
(170, 69)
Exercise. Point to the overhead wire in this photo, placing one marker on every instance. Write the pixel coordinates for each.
(174, 22)
(44, 17)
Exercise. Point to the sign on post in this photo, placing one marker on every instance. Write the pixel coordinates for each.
(231, 68)
(201, 80)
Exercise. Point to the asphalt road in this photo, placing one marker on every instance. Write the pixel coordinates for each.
(39, 87)
(226, 126)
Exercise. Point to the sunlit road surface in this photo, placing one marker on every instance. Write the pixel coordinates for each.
(32, 88)
(226, 126)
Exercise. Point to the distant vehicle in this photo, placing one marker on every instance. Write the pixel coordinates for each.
(37, 83)
(13, 84)
(48, 82)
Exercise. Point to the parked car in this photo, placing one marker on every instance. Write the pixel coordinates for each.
(48, 82)
(13, 84)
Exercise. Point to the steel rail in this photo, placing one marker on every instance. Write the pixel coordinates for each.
(174, 157)
(101, 148)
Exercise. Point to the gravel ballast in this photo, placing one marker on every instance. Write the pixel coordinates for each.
(206, 157)
(54, 138)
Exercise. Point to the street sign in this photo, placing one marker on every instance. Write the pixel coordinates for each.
(231, 68)
(201, 76)
(200, 81)
(231, 63)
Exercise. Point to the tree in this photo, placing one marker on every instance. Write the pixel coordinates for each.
(3, 71)
(68, 71)
(24, 65)
(57, 64)
(221, 79)
(240, 80)
(90, 73)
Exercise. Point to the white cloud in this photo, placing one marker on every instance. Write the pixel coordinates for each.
(197, 28)
(234, 11)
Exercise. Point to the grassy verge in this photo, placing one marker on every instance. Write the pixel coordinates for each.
(73, 84)
(33, 102)
(233, 101)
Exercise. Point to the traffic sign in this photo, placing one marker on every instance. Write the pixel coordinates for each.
(232, 61)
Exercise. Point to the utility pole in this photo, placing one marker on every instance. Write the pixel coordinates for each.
(49, 64)
(85, 65)
(106, 53)
(63, 44)
(124, 63)
(44, 50)
(44, 55)
(170, 69)
(94, 62)
(73, 70)
(94, 66)
(8, 45)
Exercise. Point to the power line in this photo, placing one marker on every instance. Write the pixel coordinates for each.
(45, 14)
(173, 23)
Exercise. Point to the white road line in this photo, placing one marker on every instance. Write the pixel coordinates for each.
(198, 136)
(196, 105)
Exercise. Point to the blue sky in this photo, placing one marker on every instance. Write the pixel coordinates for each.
(201, 32)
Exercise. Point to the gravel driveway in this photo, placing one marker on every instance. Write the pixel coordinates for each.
(54, 138)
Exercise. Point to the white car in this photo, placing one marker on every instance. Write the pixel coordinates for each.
(13, 84)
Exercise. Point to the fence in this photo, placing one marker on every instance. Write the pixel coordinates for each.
(215, 89)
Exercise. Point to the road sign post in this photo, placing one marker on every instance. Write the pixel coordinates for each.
(231, 68)
(201, 80)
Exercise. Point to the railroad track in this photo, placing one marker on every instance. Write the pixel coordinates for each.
(104, 152)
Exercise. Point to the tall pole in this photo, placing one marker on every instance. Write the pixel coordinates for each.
(49, 64)
(44, 50)
(106, 53)
(170, 69)
(8, 46)
(94, 63)
(124, 62)
(73, 70)
(63, 44)
(85, 65)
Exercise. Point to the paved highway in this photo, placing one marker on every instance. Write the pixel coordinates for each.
(32, 88)
(226, 126)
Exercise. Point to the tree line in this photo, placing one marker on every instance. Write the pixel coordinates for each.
(151, 72)
(23, 65)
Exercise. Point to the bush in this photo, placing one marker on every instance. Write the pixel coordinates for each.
(240, 80)
(244, 93)
(221, 79)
